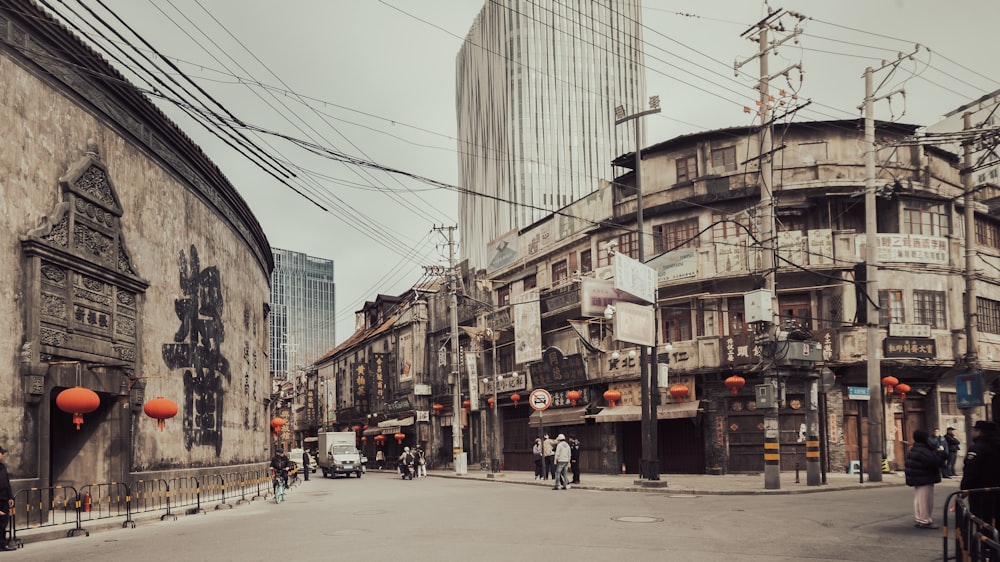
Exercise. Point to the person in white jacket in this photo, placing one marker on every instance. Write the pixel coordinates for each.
(562, 458)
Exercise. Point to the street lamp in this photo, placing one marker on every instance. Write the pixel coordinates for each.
(650, 462)
(495, 449)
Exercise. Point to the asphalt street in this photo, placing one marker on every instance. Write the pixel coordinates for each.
(381, 517)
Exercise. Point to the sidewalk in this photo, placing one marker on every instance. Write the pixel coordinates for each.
(692, 484)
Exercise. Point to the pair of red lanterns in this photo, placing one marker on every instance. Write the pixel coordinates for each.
(893, 386)
(79, 401)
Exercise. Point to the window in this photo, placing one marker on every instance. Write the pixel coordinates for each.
(890, 304)
(728, 225)
(530, 282)
(989, 315)
(724, 159)
(676, 322)
(987, 233)
(928, 308)
(674, 235)
(929, 219)
(736, 317)
(503, 296)
(586, 261)
(795, 310)
(560, 271)
(687, 168)
(628, 244)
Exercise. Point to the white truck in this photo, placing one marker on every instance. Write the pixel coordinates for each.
(339, 454)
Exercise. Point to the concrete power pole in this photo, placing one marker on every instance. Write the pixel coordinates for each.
(874, 373)
(971, 316)
(456, 372)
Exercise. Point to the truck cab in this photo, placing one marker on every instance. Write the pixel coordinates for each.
(339, 454)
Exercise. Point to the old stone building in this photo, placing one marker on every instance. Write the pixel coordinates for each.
(131, 267)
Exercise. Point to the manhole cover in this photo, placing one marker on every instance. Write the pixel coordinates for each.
(636, 519)
(370, 512)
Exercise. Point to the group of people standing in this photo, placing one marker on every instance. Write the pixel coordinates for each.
(554, 457)
(933, 457)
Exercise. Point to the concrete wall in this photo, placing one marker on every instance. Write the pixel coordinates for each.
(186, 239)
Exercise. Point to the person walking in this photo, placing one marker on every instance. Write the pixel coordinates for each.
(305, 465)
(6, 503)
(923, 470)
(982, 470)
(379, 459)
(954, 446)
(421, 463)
(562, 456)
(938, 443)
(548, 456)
(574, 462)
(536, 454)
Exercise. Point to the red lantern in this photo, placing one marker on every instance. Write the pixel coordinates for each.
(364, 426)
(399, 437)
(78, 401)
(491, 401)
(466, 404)
(380, 439)
(438, 408)
(364, 439)
(901, 389)
(161, 410)
(679, 391)
(357, 429)
(889, 382)
(612, 396)
(573, 396)
(515, 398)
(735, 383)
(276, 425)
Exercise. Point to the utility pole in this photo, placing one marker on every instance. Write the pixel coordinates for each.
(971, 315)
(772, 433)
(876, 404)
(456, 404)
(649, 465)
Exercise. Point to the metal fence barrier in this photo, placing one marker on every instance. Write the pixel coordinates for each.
(44, 507)
(974, 539)
(151, 495)
(102, 501)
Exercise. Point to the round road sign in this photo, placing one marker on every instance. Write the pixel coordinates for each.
(540, 399)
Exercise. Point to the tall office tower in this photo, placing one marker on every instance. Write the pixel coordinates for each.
(537, 83)
(302, 310)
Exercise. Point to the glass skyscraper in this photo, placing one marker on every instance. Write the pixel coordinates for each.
(302, 310)
(537, 83)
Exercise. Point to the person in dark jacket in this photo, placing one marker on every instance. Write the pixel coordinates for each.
(954, 446)
(982, 470)
(305, 465)
(6, 502)
(923, 471)
(574, 462)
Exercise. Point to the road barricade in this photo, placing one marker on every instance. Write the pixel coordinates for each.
(44, 507)
(974, 539)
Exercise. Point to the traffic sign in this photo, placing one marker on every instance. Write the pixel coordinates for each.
(969, 390)
(540, 399)
(858, 393)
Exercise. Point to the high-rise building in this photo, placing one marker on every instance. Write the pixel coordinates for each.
(537, 83)
(303, 299)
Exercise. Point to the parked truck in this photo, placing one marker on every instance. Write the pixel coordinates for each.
(339, 454)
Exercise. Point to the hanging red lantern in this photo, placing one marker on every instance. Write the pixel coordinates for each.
(78, 401)
(364, 426)
(357, 429)
(467, 404)
(438, 408)
(491, 401)
(679, 391)
(889, 383)
(364, 439)
(379, 439)
(612, 396)
(515, 398)
(276, 425)
(901, 389)
(161, 410)
(573, 396)
(735, 383)
(399, 437)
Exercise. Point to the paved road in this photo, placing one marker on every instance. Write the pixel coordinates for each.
(381, 517)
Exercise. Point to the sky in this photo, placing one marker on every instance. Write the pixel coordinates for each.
(318, 82)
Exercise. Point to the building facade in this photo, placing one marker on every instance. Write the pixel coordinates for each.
(303, 309)
(132, 268)
(537, 84)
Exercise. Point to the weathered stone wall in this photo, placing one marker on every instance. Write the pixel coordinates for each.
(182, 244)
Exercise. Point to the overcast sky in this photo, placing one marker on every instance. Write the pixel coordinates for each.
(374, 80)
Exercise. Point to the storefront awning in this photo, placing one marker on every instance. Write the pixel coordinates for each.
(373, 431)
(634, 413)
(562, 416)
(392, 426)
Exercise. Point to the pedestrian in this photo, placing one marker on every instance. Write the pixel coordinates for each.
(982, 470)
(379, 459)
(280, 465)
(562, 456)
(548, 455)
(536, 453)
(954, 446)
(6, 502)
(939, 444)
(923, 470)
(406, 464)
(305, 465)
(574, 462)
(421, 463)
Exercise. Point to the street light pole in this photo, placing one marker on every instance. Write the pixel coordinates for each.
(495, 461)
(649, 468)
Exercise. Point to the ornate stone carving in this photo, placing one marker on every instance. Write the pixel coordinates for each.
(95, 182)
(54, 306)
(53, 337)
(100, 245)
(54, 274)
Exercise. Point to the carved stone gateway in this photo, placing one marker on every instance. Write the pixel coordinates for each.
(83, 293)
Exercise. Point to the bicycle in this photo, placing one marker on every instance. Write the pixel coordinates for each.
(280, 486)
